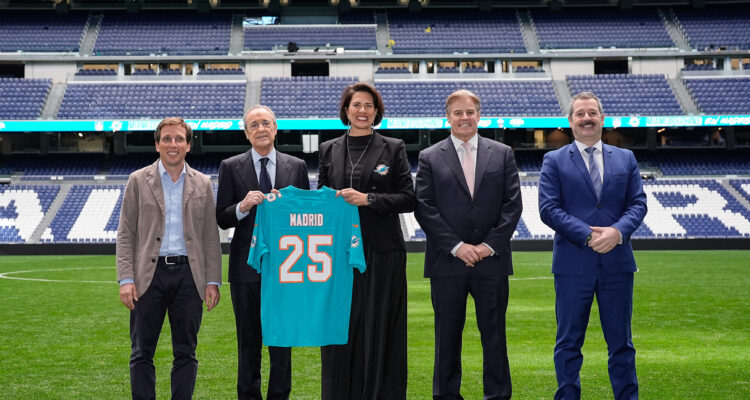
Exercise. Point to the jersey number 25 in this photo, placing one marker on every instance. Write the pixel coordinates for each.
(321, 258)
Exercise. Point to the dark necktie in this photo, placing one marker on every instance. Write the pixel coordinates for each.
(596, 179)
(264, 182)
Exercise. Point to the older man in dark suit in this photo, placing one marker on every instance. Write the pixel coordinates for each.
(468, 204)
(243, 179)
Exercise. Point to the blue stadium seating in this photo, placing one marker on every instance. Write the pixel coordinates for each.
(41, 32)
(89, 213)
(152, 100)
(22, 208)
(715, 27)
(721, 96)
(23, 98)
(499, 98)
(304, 96)
(625, 94)
(455, 31)
(173, 33)
(591, 29)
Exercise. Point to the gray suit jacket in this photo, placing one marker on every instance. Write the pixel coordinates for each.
(142, 227)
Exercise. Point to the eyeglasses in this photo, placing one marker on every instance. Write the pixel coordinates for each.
(169, 139)
(254, 126)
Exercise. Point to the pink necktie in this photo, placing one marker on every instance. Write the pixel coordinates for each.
(468, 167)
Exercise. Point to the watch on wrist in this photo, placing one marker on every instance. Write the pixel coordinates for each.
(588, 239)
(370, 199)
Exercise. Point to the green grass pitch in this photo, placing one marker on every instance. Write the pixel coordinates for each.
(64, 332)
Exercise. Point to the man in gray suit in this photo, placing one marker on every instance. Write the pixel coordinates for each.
(243, 179)
(468, 204)
(168, 259)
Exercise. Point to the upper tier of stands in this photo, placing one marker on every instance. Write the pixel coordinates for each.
(624, 94)
(152, 100)
(499, 98)
(574, 29)
(429, 31)
(713, 28)
(455, 31)
(721, 96)
(41, 32)
(304, 96)
(279, 36)
(23, 98)
(173, 33)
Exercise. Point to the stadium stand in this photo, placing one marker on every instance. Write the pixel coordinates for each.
(716, 28)
(724, 95)
(600, 29)
(89, 213)
(96, 72)
(41, 32)
(273, 37)
(22, 98)
(625, 94)
(455, 31)
(173, 33)
(304, 96)
(22, 208)
(53, 165)
(153, 100)
(499, 98)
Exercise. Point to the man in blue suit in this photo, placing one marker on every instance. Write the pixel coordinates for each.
(468, 204)
(591, 195)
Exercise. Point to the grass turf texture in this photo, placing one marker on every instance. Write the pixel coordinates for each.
(64, 333)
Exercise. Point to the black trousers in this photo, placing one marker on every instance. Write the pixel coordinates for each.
(449, 296)
(172, 291)
(372, 365)
(246, 305)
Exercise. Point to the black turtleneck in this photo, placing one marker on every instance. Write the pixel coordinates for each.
(356, 146)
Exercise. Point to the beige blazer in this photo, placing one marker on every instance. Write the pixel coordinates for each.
(142, 224)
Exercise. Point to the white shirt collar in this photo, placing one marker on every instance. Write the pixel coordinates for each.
(473, 142)
(163, 170)
(582, 147)
(271, 156)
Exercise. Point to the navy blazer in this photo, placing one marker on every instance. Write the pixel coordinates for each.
(569, 205)
(448, 214)
(386, 174)
(236, 178)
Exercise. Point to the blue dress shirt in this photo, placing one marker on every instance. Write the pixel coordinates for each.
(270, 167)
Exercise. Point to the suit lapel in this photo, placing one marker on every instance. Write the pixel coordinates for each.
(154, 183)
(338, 163)
(608, 163)
(451, 160)
(246, 171)
(484, 155)
(372, 156)
(577, 159)
(188, 186)
(282, 171)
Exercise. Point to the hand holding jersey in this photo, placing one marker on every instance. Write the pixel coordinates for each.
(305, 260)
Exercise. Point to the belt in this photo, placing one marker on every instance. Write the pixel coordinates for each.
(171, 260)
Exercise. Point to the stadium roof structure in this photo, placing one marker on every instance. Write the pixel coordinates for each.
(276, 6)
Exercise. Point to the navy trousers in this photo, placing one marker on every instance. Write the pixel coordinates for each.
(574, 296)
(172, 292)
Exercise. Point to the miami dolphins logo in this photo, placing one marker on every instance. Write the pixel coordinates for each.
(253, 241)
(381, 169)
(355, 242)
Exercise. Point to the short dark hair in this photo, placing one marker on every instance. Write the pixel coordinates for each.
(346, 98)
(585, 96)
(172, 121)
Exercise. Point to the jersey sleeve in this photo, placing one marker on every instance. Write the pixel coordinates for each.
(258, 246)
(355, 251)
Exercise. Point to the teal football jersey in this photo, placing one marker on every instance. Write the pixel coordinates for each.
(305, 245)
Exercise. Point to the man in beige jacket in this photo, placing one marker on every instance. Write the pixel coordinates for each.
(168, 259)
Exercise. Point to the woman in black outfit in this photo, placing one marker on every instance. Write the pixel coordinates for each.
(372, 172)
